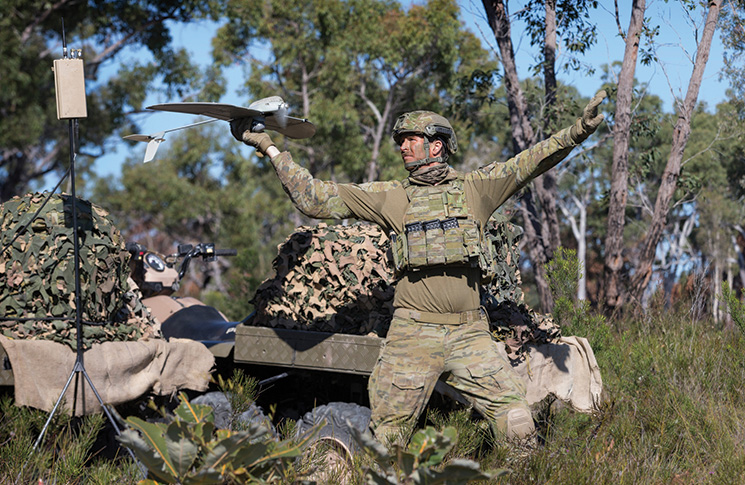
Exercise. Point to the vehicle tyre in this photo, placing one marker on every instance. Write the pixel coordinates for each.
(332, 448)
(223, 411)
(335, 420)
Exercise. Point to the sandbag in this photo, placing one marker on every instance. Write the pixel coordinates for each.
(120, 371)
(565, 369)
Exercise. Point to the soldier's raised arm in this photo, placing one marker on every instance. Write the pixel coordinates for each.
(532, 162)
(313, 197)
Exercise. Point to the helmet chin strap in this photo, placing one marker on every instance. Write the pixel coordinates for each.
(414, 164)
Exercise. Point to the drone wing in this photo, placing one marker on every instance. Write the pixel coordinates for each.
(289, 126)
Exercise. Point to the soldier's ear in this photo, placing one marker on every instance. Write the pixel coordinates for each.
(436, 147)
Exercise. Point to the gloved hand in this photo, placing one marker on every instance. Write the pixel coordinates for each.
(590, 120)
(239, 126)
(260, 141)
(241, 130)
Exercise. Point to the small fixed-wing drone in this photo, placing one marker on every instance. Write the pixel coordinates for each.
(266, 114)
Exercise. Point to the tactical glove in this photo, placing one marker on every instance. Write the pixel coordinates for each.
(240, 128)
(590, 120)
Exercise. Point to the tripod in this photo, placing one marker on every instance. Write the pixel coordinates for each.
(79, 367)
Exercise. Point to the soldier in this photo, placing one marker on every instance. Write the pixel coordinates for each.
(436, 219)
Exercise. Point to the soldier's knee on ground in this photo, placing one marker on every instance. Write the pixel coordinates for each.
(520, 423)
(390, 434)
(514, 423)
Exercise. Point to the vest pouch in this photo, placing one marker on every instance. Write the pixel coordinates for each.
(488, 259)
(472, 240)
(435, 240)
(455, 242)
(454, 201)
(417, 244)
(398, 251)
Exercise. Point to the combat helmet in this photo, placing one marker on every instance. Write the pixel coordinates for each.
(430, 125)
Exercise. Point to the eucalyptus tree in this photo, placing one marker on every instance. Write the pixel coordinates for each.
(545, 21)
(685, 109)
(352, 67)
(619, 173)
(33, 143)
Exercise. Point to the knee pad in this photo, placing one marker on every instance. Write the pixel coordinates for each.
(519, 423)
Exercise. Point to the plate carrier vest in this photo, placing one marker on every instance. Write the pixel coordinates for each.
(440, 229)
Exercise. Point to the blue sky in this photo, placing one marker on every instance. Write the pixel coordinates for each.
(668, 79)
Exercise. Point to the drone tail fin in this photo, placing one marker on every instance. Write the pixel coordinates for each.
(152, 147)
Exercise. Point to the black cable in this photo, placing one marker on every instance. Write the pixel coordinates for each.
(23, 229)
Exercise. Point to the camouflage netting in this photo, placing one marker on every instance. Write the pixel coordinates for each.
(37, 274)
(329, 279)
(338, 279)
(510, 319)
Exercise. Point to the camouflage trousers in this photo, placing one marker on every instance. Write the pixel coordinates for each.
(416, 354)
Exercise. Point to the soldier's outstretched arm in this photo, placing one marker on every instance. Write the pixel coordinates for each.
(537, 159)
(313, 197)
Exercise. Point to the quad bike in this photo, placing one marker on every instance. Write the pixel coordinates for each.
(180, 317)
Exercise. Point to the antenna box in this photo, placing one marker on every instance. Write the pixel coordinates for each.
(69, 84)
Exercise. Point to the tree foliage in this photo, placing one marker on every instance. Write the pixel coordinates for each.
(351, 66)
(359, 64)
(34, 142)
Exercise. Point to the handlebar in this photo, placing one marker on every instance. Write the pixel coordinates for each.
(226, 252)
(206, 251)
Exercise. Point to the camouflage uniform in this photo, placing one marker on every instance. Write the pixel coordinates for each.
(438, 326)
(417, 353)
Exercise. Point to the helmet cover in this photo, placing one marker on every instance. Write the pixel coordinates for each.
(425, 123)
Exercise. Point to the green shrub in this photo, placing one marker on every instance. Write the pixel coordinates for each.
(189, 449)
(574, 316)
(68, 454)
(422, 462)
(241, 391)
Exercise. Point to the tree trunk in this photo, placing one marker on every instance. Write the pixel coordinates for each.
(536, 252)
(716, 290)
(739, 251)
(542, 238)
(522, 132)
(619, 171)
(643, 274)
(579, 231)
(582, 252)
(546, 189)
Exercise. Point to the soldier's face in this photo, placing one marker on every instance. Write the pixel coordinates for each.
(412, 148)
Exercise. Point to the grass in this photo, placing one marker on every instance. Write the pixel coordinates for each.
(673, 413)
(71, 452)
(673, 410)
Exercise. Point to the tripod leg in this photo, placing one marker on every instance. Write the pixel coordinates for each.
(54, 410)
(108, 414)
